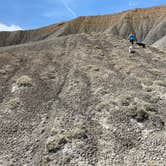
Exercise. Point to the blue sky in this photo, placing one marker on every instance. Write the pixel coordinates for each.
(29, 14)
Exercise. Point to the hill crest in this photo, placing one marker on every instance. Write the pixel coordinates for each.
(148, 24)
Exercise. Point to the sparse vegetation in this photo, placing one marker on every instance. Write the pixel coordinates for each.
(56, 143)
(59, 139)
(142, 111)
(24, 81)
(78, 98)
(76, 133)
(13, 103)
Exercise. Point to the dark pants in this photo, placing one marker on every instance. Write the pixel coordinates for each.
(132, 42)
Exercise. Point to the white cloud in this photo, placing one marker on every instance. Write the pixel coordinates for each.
(4, 27)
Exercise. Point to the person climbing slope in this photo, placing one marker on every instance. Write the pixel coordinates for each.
(132, 38)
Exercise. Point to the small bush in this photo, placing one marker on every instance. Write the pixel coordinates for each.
(53, 145)
(76, 134)
(59, 140)
(13, 103)
(24, 81)
(142, 112)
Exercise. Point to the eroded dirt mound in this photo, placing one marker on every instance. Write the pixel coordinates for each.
(82, 100)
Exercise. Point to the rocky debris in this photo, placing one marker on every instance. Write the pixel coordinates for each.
(80, 99)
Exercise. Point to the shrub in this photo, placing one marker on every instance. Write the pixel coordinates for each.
(13, 103)
(24, 81)
(54, 144)
(76, 133)
(142, 112)
(59, 140)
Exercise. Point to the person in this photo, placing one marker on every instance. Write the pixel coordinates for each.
(132, 38)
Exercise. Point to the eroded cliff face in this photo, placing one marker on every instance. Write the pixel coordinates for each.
(148, 24)
(81, 99)
(19, 37)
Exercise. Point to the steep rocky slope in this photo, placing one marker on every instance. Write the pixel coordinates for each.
(148, 24)
(18, 37)
(161, 44)
(81, 99)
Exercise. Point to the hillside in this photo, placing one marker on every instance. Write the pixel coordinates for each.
(80, 99)
(161, 44)
(148, 24)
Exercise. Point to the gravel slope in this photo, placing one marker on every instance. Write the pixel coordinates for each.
(82, 100)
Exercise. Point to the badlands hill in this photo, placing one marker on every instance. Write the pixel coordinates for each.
(148, 24)
(71, 95)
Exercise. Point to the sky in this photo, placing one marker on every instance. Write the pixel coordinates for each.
(30, 14)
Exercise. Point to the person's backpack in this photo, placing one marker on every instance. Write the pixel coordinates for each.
(132, 37)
